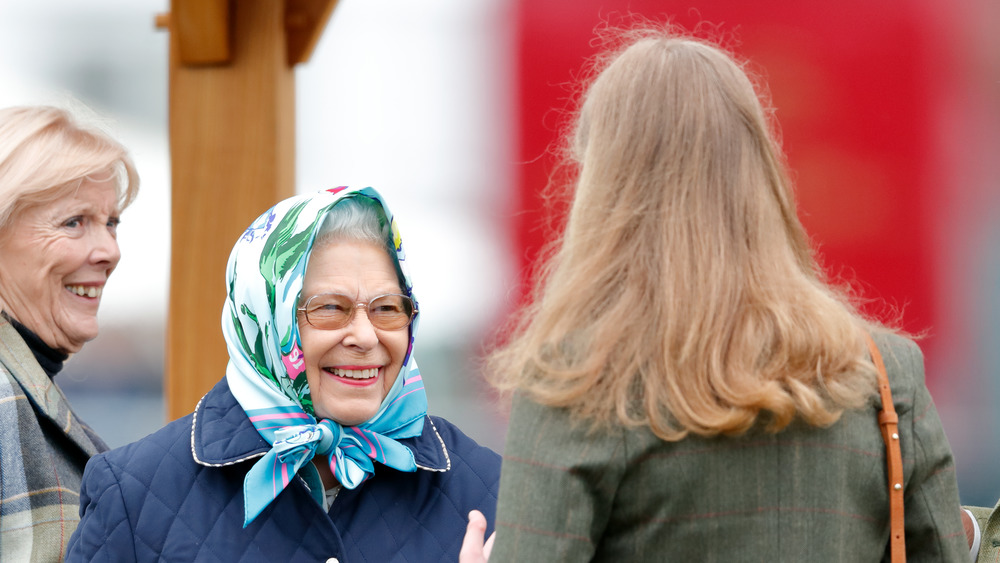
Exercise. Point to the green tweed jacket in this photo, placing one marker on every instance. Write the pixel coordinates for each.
(989, 529)
(43, 449)
(804, 494)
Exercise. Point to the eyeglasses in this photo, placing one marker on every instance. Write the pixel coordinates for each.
(332, 311)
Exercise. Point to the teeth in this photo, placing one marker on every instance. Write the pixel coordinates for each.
(84, 291)
(356, 373)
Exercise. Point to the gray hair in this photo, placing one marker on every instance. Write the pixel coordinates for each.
(359, 219)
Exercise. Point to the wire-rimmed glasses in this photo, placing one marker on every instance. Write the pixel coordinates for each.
(332, 311)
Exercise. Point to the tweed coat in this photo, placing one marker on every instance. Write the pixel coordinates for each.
(43, 450)
(988, 520)
(804, 494)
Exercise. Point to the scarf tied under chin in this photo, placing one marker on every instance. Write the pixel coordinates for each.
(351, 452)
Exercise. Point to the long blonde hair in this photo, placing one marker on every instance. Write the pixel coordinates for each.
(684, 295)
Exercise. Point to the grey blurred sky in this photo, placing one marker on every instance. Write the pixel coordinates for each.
(411, 98)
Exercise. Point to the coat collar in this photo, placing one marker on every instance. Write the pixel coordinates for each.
(221, 434)
(45, 395)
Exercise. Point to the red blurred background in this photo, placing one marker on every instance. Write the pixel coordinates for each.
(888, 112)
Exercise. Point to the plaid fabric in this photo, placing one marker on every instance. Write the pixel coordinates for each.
(804, 494)
(43, 449)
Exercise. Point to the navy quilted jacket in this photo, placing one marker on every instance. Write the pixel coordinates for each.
(177, 495)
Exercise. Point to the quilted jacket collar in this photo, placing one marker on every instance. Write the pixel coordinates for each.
(221, 434)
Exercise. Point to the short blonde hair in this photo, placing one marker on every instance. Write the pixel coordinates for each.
(46, 153)
(684, 294)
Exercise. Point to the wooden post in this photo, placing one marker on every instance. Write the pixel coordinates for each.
(232, 144)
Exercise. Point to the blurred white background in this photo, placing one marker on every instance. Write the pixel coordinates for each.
(410, 98)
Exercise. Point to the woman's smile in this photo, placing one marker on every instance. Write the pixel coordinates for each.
(86, 290)
(356, 375)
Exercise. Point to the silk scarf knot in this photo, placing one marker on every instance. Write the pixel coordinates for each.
(296, 445)
(351, 452)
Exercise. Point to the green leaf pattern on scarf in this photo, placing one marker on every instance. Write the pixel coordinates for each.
(278, 244)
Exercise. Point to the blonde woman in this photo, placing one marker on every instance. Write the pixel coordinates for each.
(686, 385)
(63, 186)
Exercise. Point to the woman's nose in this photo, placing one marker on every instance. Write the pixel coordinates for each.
(361, 331)
(105, 249)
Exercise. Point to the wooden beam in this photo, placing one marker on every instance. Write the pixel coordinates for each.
(201, 28)
(304, 23)
(232, 144)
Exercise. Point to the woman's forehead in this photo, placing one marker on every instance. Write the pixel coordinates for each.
(350, 266)
(89, 196)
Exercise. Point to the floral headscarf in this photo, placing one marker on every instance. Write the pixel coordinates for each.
(266, 371)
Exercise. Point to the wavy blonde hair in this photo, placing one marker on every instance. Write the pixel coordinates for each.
(46, 152)
(684, 295)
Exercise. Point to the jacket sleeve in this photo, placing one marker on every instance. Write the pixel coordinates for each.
(560, 486)
(933, 521)
(104, 533)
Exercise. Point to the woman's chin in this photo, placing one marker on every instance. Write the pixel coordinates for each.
(348, 418)
(72, 341)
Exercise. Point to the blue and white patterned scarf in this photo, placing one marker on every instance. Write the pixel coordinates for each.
(266, 371)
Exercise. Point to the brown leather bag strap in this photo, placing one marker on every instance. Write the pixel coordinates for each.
(889, 423)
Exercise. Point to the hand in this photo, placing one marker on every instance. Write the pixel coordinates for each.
(473, 548)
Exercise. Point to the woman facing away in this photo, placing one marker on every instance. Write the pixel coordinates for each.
(63, 185)
(316, 444)
(687, 385)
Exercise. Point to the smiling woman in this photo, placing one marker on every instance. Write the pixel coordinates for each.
(316, 445)
(58, 258)
(62, 188)
(350, 369)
